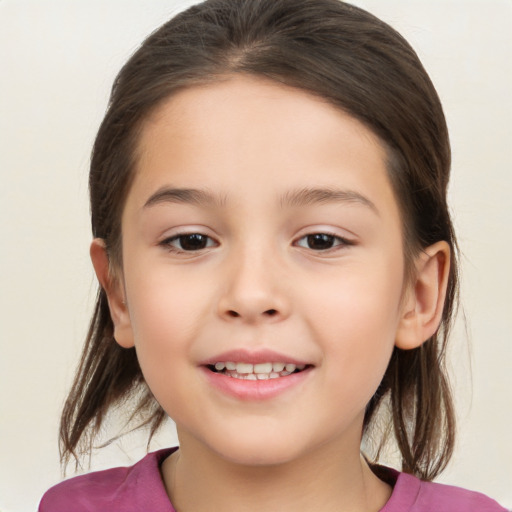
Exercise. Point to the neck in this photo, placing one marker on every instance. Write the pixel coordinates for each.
(199, 480)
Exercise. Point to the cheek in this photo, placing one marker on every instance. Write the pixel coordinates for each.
(360, 299)
(160, 300)
(356, 321)
(163, 328)
(164, 318)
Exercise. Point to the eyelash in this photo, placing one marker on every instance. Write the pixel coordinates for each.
(339, 242)
(168, 242)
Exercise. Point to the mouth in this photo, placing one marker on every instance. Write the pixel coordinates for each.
(256, 375)
(258, 371)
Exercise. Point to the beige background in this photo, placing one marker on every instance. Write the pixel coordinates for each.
(57, 62)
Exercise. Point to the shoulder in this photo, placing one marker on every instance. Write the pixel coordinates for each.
(133, 488)
(454, 499)
(413, 495)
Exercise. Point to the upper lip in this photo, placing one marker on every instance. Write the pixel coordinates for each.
(244, 355)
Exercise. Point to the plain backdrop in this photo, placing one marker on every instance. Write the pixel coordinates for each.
(57, 62)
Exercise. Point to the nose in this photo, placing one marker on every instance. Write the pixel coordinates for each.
(254, 290)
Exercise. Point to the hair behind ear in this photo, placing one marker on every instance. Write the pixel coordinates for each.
(420, 407)
(421, 392)
(106, 374)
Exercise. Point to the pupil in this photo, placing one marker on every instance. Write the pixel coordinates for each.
(193, 242)
(320, 241)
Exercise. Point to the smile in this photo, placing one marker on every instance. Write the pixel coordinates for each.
(259, 371)
(256, 375)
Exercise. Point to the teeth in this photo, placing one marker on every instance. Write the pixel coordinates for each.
(244, 368)
(263, 368)
(259, 371)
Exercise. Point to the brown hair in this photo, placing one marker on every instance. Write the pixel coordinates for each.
(360, 65)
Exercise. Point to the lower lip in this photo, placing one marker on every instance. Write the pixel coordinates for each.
(255, 390)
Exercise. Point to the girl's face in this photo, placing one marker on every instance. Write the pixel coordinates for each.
(261, 231)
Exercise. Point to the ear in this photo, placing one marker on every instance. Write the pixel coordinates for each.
(113, 286)
(424, 299)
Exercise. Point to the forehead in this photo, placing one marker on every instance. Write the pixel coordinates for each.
(248, 138)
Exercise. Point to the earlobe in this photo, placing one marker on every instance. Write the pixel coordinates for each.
(424, 300)
(114, 289)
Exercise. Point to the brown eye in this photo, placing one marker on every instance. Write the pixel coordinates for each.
(321, 241)
(189, 242)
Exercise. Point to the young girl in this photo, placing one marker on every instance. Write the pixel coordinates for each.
(277, 266)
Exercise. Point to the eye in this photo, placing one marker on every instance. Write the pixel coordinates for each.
(187, 242)
(321, 241)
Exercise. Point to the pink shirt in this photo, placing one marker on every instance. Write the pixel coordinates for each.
(140, 488)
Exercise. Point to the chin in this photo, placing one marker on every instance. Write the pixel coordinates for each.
(258, 449)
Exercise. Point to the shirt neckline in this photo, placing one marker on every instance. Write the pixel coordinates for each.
(405, 487)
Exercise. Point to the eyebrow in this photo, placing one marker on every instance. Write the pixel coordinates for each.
(309, 196)
(184, 195)
(297, 198)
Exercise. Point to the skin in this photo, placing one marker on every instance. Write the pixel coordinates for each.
(259, 284)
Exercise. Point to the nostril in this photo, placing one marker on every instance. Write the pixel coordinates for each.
(268, 312)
